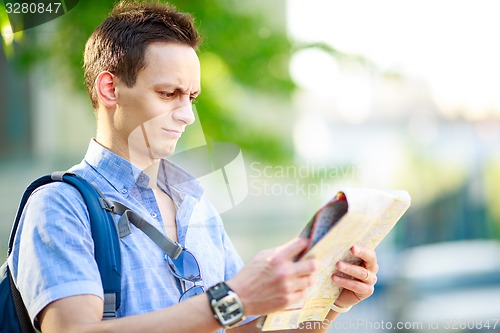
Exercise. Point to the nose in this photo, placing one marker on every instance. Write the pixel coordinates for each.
(184, 113)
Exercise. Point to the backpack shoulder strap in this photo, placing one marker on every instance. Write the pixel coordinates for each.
(104, 234)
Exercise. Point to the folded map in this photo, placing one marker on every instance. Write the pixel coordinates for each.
(353, 217)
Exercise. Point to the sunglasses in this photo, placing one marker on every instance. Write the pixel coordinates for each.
(186, 269)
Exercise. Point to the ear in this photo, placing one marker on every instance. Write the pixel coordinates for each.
(105, 88)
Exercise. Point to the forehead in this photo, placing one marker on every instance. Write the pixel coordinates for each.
(175, 63)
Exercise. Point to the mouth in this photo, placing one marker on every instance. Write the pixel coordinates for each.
(174, 134)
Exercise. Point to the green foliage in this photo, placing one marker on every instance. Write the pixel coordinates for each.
(248, 53)
(245, 52)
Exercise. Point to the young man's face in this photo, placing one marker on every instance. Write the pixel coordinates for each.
(151, 116)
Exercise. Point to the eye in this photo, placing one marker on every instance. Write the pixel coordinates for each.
(167, 94)
(193, 99)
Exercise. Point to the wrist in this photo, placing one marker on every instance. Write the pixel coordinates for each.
(239, 289)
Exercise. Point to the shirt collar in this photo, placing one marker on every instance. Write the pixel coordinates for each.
(123, 175)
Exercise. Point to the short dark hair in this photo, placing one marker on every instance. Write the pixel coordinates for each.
(119, 44)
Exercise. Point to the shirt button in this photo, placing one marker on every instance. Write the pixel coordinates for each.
(124, 191)
(153, 214)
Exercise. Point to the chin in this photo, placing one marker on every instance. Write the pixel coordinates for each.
(163, 152)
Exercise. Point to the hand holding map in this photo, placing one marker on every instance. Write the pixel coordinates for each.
(353, 217)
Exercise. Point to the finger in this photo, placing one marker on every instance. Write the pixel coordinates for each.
(368, 256)
(301, 283)
(357, 272)
(293, 298)
(289, 250)
(363, 290)
(305, 267)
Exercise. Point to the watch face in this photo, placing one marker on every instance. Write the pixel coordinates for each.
(229, 310)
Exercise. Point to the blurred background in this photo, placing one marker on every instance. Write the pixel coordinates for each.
(318, 96)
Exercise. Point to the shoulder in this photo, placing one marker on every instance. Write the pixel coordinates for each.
(55, 201)
(56, 191)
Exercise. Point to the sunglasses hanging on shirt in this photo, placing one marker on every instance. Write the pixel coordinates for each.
(186, 269)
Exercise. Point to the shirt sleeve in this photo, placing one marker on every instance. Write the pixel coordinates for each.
(53, 254)
(233, 261)
(233, 264)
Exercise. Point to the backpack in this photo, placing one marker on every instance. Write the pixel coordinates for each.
(13, 314)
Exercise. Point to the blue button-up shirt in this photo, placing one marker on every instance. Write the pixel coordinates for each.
(53, 254)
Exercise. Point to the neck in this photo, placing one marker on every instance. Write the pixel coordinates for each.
(131, 146)
(145, 162)
(152, 172)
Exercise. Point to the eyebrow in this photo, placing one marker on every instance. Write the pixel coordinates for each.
(176, 87)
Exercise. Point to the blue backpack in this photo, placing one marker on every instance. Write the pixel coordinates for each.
(13, 314)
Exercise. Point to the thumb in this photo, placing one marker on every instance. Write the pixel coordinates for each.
(290, 250)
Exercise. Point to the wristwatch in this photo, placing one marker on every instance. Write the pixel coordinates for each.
(226, 305)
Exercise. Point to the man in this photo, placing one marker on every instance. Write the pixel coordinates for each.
(142, 74)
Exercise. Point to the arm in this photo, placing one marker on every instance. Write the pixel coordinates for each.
(84, 313)
(269, 282)
(355, 290)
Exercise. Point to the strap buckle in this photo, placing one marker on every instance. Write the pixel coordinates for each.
(109, 306)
